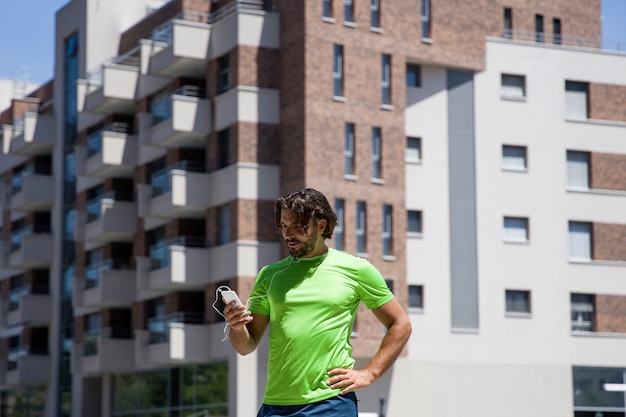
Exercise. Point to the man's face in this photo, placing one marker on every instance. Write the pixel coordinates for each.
(301, 239)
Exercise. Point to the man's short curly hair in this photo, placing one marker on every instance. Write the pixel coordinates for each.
(307, 204)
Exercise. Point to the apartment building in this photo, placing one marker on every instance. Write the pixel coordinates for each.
(475, 155)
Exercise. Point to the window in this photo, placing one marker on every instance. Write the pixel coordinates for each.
(348, 11)
(340, 227)
(413, 152)
(348, 149)
(338, 70)
(539, 36)
(576, 96)
(361, 232)
(414, 222)
(413, 75)
(515, 229)
(556, 31)
(508, 23)
(223, 81)
(582, 306)
(517, 301)
(416, 296)
(425, 19)
(223, 148)
(514, 157)
(578, 170)
(513, 86)
(387, 230)
(223, 235)
(375, 13)
(327, 9)
(580, 240)
(377, 165)
(385, 81)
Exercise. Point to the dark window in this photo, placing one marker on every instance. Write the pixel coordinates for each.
(508, 22)
(413, 75)
(416, 296)
(556, 31)
(539, 36)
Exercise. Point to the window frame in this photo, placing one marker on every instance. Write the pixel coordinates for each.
(385, 80)
(387, 232)
(420, 305)
(338, 71)
(339, 230)
(513, 90)
(512, 303)
(377, 154)
(509, 160)
(511, 231)
(349, 151)
(361, 228)
(375, 14)
(418, 221)
(414, 69)
(580, 241)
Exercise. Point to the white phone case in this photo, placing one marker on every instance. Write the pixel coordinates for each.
(230, 296)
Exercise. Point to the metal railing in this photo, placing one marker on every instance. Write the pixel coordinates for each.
(92, 338)
(161, 180)
(17, 235)
(159, 327)
(94, 139)
(161, 108)
(160, 251)
(563, 40)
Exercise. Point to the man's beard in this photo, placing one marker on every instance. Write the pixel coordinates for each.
(306, 247)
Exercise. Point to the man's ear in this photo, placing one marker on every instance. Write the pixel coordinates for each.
(321, 226)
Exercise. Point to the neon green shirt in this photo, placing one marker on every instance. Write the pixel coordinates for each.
(312, 304)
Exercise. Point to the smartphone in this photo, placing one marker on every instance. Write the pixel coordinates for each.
(230, 296)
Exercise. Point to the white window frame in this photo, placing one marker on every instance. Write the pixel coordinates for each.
(578, 168)
(339, 230)
(387, 234)
(580, 308)
(425, 18)
(338, 85)
(361, 227)
(385, 80)
(576, 100)
(349, 151)
(377, 158)
(513, 86)
(517, 303)
(515, 229)
(514, 158)
(580, 236)
(413, 154)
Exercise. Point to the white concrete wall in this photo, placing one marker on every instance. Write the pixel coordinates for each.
(512, 366)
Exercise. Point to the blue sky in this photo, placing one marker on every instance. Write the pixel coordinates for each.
(27, 33)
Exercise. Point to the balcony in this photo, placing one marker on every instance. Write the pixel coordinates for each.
(181, 47)
(31, 247)
(182, 190)
(111, 89)
(108, 218)
(110, 152)
(32, 189)
(180, 119)
(247, 104)
(23, 367)
(177, 339)
(107, 284)
(174, 265)
(26, 307)
(35, 135)
(104, 351)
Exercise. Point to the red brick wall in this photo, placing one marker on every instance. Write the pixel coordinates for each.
(609, 242)
(608, 171)
(606, 102)
(610, 313)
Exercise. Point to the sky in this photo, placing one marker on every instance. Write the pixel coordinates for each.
(27, 35)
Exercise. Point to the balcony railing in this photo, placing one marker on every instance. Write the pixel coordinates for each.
(17, 180)
(162, 108)
(91, 338)
(164, 33)
(131, 59)
(93, 271)
(160, 251)
(159, 327)
(556, 39)
(94, 205)
(16, 236)
(161, 180)
(94, 140)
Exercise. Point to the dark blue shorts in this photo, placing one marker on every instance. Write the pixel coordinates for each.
(339, 406)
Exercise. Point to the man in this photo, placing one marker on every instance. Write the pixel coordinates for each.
(309, 300)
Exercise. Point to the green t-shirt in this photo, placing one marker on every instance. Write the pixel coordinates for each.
(312, 304)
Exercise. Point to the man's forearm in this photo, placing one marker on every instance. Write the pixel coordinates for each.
(390, 348)
(242, 341)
